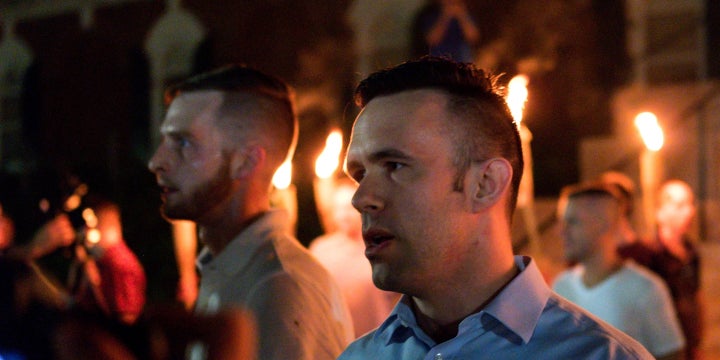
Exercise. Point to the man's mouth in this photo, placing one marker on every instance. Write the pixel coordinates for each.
(166, 190)
(375, 240)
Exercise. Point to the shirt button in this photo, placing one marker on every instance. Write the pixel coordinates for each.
(213, 303)
(438, 356)
(196, 350)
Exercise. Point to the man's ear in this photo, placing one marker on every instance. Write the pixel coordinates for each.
(487, 182)
(245, 161)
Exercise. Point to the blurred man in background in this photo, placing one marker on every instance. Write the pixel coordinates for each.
(620, 292)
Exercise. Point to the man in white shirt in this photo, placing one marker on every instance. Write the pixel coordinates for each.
(225, 134)
(620, 292)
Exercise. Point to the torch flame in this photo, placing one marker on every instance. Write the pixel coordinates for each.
(650, 130)
(517, 96)
(329, 159)
(283, 175)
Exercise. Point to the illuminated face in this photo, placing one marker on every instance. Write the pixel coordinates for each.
(401, 156)
(586, 224)
(676, 209)
(190, 164)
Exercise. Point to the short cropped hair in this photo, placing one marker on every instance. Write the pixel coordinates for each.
(601, 189)
(264, 103)
(482, 125)
(626, 187)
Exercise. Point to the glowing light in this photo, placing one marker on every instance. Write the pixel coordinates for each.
(329, 159)
(44, 205)
(81, 190)
(517, 96)
(283, 175)
(90, 219)
(93, 236)
(650, 130)
(72, 202)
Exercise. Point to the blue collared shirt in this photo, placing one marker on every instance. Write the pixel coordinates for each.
(526, 320)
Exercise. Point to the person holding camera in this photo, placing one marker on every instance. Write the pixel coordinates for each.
(105, 275)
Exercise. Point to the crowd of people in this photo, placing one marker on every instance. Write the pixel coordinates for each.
(402, 276)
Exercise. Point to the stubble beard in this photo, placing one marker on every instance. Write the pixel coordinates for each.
(206, 195)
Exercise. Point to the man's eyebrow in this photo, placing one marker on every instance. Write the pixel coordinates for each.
(175, 132)
(388, 153)
(376, 156)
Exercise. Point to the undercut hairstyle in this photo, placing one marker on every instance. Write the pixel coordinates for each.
(626, 187)
(254, 104)
(482, 126)
(592, 189)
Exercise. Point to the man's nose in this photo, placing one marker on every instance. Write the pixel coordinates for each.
(366, 198)
(158, 162)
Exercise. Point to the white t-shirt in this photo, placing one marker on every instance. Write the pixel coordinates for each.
(633, 300)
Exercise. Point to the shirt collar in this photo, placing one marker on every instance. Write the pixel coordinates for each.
(242, 248)
(518, 307)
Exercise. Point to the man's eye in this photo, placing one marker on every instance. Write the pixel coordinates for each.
(392, 165)
(182, 142)
(358, 175)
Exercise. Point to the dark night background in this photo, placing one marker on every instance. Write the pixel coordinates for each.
(85, 106)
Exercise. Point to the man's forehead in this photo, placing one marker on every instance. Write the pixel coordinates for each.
(409, 99)
(415, 108)
(203, 98)
(188, 108)
(594, 203)
(676, 191)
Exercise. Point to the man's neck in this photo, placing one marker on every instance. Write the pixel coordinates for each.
(440, 332)
(674, 243)
(217, 236)
(599, 270)
(440, 320)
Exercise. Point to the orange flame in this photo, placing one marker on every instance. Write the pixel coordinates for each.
(329, 159)
(650, 130)
(517, 96)
(283, 175)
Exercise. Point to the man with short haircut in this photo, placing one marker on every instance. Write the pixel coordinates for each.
(624, 294)
(438, 161)
(225, 134)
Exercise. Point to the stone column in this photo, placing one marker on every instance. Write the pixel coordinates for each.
(171, 46)
(15, 59)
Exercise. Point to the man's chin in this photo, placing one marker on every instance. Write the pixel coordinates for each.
(381, 279)
(171, 214)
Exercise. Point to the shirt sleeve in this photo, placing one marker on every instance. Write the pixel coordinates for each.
(291, 322)
(661, 324)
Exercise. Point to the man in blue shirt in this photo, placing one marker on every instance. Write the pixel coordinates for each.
(438, 161)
